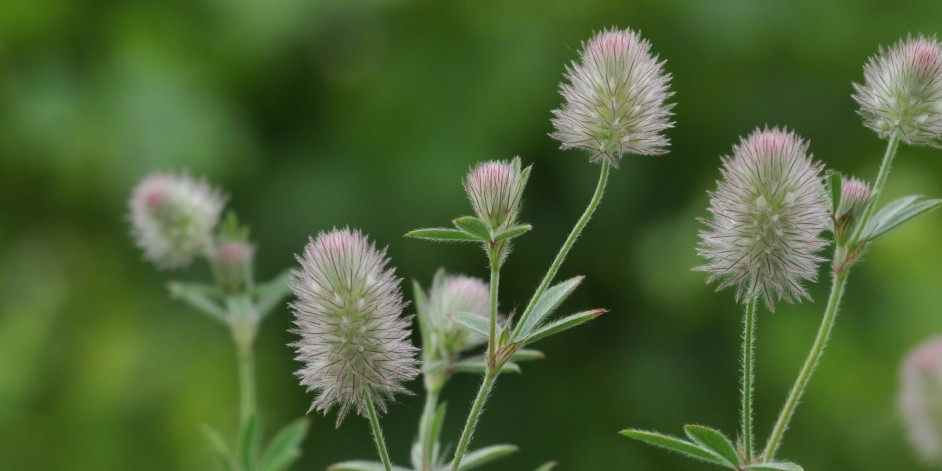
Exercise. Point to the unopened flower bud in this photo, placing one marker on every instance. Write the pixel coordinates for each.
(920, 399)
(354, 341)
(768, 213)
(173, 217)
(902, 92)
(232, 262)
(451, 294)
(615, 101)
(495, 189)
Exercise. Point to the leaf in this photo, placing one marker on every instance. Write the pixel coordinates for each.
(285, 447)
(896, 213)
(513, 232)
(548, 302)
(478, 458)
(547, 466)
(474, 227)
(474, 322)
(272, 293)
(560, 325)
(249, 443)
(420, 300)
(834, 182)
(442, 234)
(435, 430)
(674, 444)
(478, 365)
(774, 466)
(200, 297)
(713, 440)
(362, 466)
(527, 355)
(222, 455)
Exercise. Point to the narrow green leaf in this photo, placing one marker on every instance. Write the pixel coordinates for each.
(362, 466)
(513, 232)
(525, 176)
(896, 213)
(200, 297)
(272, 293)
(548, 302)
(560, 325)
(477, 365)
(478, 458)
(834, 185)
(776, 466)
(285, 447)
(435, 430)
(420, 299)
(713, 440)
(474, 227)
(548, 466)
(222, 455)
(442, 234)
(674, 444)
(527, 355)
(249, 438)
(474, 322)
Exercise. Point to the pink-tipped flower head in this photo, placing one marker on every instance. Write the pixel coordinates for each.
(495, 189)
(768, 212)
(855, 194)
(354, 341)
(232, 262)
(615, 101)
(902, 92)
(173, 217)
(452, 294)
(920, 399)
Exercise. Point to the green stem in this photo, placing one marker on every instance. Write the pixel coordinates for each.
(486, 386)
(567, 245)
(425, 428)
(748, 374)
(817, 349)
(244, 324)
(377, 432)
(891, 147)
(247, 405)
(495, 284)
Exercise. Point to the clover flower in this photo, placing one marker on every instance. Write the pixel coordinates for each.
(767, 215)
(451, 294)
(495, 189)
(232, 262)
(902, 92)
(173, 217)
(354, 343)
(615, 99)
(920, 399)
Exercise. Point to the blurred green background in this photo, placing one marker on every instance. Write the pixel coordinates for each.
(314, 114)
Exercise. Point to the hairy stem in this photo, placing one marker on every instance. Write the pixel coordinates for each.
(486, 386)
(748, 375)
(891, 147)
(243, 323)
(246, 384)
(567, 245)
(495, 285)
(817, 349)
(425, 429)
(377, 432)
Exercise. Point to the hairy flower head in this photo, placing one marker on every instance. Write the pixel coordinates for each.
(902, 91)
(855, 194)
(615, 99)
(920, 399)
(232, 262)
(173, 217)
(451, 294)
(354, 341)
(768, 212)
(495, 189)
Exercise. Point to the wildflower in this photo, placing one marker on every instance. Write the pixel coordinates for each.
(232, 261)
(767, 215)
(173, 217)
(452, 294)
(496, 189)
(354, 341)
(902, 92)
(920, 399)
(615, 99)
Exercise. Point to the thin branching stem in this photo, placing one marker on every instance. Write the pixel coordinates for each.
(748, 374)
(377, 432)
(425, 429)
(486, 386)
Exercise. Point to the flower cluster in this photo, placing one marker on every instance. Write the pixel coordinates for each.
(920, 398)
(452, 294)
(495, 189)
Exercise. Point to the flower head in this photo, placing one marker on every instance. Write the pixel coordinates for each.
(232, 261)
(615, 99)
(855, 194)
(920, 399)
(451, 294)
(495, 189)
(173, 217)
(354, 340)
(768, 212)
(902, 92)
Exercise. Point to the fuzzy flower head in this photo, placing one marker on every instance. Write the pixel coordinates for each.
(920, 399)
(173, 217)
(495, 189)
(902, 92)
(354, 340)
(615, 99)
(451, 294)
(768, 212)
(232, 262)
